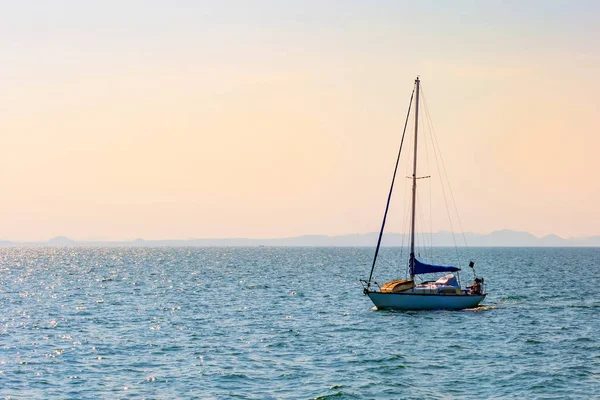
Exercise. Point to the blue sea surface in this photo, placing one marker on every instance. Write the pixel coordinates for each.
(290, 323)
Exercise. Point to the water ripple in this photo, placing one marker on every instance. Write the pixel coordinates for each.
(270, 323)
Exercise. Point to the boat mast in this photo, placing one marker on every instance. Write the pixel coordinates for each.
(414, 188)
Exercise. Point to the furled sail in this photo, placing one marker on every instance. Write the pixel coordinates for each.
(422, 268)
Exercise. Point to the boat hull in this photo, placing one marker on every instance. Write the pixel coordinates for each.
(414, 301)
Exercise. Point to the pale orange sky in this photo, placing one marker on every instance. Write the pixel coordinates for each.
(228, 120)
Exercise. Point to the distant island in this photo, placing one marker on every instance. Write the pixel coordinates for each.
(501, 238)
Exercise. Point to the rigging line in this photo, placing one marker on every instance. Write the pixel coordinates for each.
(419, 239)
(387, 206)
(407, 204)
(402, 234)
(418, 232)
(406, 271)
(432, 135)
(423, 245)
(404, 220)
(446, 200)
(430, 192)
(424, 236)
(462, 231)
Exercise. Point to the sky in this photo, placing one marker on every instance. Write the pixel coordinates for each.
(265, 119)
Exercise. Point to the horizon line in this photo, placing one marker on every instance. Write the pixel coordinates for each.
(64, 238)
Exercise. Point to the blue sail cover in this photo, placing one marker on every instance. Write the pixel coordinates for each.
(422, 268)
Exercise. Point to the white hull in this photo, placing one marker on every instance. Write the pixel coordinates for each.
(412, 301)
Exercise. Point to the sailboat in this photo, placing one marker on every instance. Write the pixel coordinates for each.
(405, 294)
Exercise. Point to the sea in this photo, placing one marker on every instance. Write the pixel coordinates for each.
(291, 323)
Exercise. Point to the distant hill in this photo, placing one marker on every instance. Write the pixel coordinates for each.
(61, 241)
(501, 238)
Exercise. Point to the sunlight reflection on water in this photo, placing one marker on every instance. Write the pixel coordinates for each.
(288, 323)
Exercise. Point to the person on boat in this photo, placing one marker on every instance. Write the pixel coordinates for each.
(476, 288)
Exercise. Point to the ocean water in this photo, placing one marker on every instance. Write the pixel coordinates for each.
(290, 323)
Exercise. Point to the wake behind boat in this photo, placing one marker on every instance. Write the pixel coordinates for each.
(405, 294)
